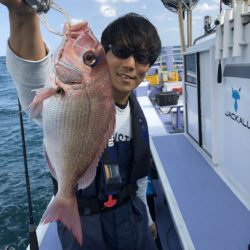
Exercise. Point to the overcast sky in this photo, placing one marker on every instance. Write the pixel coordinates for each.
(99, 13)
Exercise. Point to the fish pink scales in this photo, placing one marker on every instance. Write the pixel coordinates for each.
(78, 120)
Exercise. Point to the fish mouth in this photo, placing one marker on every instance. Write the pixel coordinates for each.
(67, 72)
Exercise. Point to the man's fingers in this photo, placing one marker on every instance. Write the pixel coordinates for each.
(153, 230)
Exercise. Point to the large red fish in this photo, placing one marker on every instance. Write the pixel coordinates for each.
(78, 119)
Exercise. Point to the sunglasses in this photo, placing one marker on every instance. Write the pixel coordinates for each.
(140, 56)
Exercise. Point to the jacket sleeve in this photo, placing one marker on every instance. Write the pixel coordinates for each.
(27, 76)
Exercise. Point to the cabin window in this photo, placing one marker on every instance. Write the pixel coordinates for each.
(191, 69)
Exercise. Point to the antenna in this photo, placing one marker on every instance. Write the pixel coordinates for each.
(179, 7)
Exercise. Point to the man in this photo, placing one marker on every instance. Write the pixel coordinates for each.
(132, 45)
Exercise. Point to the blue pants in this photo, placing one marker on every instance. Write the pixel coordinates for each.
(122, 228)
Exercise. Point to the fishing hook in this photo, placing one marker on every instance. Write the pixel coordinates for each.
(56, 7)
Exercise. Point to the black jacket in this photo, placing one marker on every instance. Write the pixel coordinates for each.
(141, 149)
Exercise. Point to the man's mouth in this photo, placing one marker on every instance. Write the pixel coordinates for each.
(127, 76)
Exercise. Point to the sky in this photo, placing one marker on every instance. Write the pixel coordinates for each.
(99, 13)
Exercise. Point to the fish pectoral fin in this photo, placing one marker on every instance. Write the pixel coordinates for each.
(35, 108)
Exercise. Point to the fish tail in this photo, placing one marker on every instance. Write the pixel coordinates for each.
(36, 106)
(66, 211)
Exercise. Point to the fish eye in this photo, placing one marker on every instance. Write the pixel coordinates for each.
(89, 58)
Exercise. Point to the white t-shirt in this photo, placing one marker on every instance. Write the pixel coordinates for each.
(123, 132)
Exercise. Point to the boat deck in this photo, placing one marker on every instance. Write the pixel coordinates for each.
(50, 239)
(206, 212)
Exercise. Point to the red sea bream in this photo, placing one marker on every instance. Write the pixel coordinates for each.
(78, 120)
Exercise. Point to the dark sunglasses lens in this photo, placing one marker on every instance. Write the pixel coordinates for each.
(121, 52)
(143, 58)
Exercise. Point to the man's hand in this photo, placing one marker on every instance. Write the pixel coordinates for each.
(153, 230)
(25, 36)
(19, 7)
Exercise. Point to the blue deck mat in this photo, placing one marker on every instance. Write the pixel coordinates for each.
(215, 217)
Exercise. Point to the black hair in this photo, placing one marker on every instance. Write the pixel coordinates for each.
(133, 31)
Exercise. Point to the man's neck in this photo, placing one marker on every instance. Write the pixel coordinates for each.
(120, 98)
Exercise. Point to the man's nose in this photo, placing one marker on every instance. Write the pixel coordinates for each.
(130, 62)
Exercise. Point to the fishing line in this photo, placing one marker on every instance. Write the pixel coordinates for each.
(32, 227)
(57, 8)
(41, 7)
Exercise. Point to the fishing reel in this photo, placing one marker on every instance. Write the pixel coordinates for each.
(40, 6)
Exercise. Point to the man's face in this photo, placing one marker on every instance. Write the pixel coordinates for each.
(126, 74)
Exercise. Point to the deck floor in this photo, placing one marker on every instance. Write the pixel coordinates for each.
(215, 218)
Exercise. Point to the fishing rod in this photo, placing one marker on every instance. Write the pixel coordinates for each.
(32, 227)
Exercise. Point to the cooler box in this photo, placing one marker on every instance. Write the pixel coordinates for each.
(167, 98)
(178, 90)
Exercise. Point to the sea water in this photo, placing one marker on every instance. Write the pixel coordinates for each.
(14, 212)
